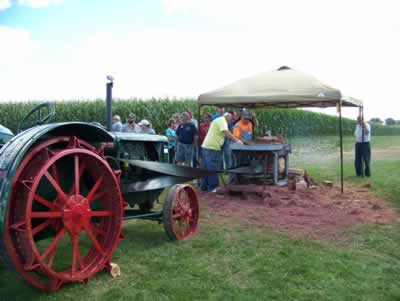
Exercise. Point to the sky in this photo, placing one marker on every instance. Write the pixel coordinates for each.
(64, 49)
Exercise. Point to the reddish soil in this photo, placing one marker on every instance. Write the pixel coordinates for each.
(320, 213)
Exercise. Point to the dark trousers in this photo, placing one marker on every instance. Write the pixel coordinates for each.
(171, 155)
(363, 156)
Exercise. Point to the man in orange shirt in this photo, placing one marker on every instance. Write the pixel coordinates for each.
(243, 129)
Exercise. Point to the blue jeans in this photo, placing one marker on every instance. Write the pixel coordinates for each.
(184, 153)
(195, 154)
(226, 148)
(211, 160)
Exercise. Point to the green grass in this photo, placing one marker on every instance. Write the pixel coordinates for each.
(231, 261)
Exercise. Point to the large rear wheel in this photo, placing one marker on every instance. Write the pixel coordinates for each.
(64, 214)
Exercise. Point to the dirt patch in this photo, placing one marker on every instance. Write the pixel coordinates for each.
(321, 213)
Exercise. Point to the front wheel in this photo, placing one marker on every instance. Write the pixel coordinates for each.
(181, 212)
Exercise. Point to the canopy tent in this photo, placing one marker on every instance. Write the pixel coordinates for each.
(281, 88)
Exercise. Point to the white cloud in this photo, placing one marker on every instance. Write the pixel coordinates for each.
(39, 3)
(4, 4)
(17, 47)
(356, 52)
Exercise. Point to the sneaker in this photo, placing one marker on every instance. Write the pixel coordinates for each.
(214, 190)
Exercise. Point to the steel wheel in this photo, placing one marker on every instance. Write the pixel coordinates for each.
(181, 212)
(63, 191)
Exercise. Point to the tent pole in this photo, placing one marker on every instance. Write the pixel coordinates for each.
(341, 145)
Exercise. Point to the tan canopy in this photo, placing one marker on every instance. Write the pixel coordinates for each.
(282, 88)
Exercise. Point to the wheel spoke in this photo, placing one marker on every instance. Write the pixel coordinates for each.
(76, 257)
(94, 240)
(55, 171)
(98, 195)
(100, 213)
(178, 198)
(94, 188)
(188, 219)
(55, 185)
(82, 167)
(76, 163)
(51, 258)
(181, 230)
(47, 214)
(54, 243)
(176, 215)
(41, 227)
(42, 201)
(97, 229)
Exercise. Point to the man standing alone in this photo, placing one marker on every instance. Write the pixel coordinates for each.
(363, 147)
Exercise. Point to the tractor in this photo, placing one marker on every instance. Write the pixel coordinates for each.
(70, 186)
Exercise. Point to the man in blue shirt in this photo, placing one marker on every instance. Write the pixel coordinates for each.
(220, 112)
(187, 135)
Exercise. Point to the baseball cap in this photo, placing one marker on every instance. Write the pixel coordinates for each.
(131, 115)
(246, 114)
(144, 122)
(186, 114)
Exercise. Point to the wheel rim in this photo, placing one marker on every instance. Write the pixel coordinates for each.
(184, 211)
(66, 188)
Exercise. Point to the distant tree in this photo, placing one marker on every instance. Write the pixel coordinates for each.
(376, 121)
(390, 121)
(397, 122)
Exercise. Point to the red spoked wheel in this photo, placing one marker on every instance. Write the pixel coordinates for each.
(65, 213)
(181, 212)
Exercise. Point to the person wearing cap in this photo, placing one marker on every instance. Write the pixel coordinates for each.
(116, 124)
(177, 117)
(145, 127)
(131, 126)
(211, 150)
(243, 129)
(187, 135)
(192, 120)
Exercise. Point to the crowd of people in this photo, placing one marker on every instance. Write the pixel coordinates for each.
(143, 127)
(208, 141)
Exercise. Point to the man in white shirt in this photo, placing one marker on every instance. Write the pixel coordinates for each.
(363, 148)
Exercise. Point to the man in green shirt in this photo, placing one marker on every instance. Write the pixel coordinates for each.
(212, 150)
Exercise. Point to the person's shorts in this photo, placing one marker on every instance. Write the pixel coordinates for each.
(184, 152)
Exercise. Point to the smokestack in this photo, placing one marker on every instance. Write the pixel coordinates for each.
(109, 87)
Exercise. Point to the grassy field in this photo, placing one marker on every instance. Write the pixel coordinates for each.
(241, 262)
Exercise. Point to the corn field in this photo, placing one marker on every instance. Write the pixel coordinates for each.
(285, 122)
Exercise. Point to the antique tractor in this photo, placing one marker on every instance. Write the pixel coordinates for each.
(65, 189)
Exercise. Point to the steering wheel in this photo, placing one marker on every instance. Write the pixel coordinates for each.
(39, 109)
